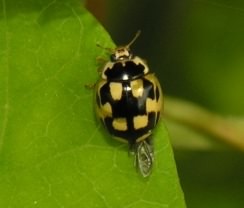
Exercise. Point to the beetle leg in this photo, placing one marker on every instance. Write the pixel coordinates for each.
(90, 86)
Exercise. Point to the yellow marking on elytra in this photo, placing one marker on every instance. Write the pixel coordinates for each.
(107, 109)
(108, 66)
(140, 121)
(116, 90)
(100, 84)
(137, 88)
(120, 124)
(137, 60)
(153, 104)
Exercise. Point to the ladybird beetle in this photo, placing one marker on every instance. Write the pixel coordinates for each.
(129, 103)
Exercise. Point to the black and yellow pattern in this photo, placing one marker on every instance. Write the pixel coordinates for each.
(129, 109)
(129, 102)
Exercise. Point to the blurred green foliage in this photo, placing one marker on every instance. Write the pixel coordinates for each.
(195, 46)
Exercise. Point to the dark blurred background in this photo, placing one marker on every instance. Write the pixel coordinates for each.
(196, 47)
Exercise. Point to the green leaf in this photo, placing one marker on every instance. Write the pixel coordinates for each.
(53, 152)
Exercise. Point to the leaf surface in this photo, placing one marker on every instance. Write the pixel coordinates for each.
(53, 152)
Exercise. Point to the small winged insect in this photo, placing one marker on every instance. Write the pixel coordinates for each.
(129, 103)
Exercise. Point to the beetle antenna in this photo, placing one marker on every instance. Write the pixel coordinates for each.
(134, 39)
(110, 50)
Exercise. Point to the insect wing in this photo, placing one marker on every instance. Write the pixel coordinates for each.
(144, 158)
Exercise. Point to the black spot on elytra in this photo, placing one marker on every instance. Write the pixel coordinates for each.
(128, 107)
(157, 93)
(148, 89)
